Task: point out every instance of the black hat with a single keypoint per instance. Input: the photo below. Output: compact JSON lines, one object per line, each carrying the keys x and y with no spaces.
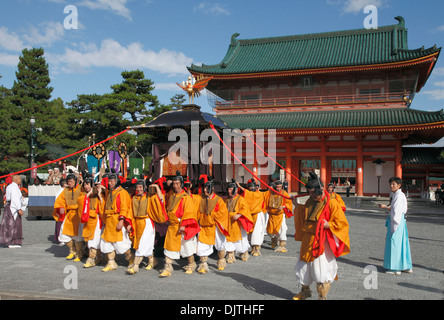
{"x":233,"y":185}
{"x":178,"y":177}
{"x":314,"y":181}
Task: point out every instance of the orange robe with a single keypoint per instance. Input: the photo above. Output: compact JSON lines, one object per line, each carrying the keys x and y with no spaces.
{"x":256,"y":203}
{"x":117,"y":205}
{"x":181,"y":212}
{"x":68,"y":200}
{"x":338,"y":198}
{"x":272,"y":202}
{"x":307,"y":226}
{"x":144,"y":207}
{"x":238,"y":205}
{"x":90,"y":216}
{"x":210,"y":217}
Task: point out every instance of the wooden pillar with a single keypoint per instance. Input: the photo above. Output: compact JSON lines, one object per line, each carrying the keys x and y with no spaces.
{"x":359,"y":170}
{"x":296,"y":172}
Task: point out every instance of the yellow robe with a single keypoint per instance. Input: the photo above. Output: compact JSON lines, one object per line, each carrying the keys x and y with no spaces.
{"x":255,"y":201}
{"x":272,"y":202}
{"x":339,"y":199}
{"x":181,"y":212}
{"x":120,"y":206}
{"x":306,"y":221}
{"x":95,"y":211}
{"x":68,"y":200}
{"x":245,"y":221}
{"x":216,"y":217}
{"x":144,"y":207}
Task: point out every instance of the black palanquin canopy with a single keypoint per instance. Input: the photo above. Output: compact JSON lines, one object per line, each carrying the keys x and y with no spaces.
{"x":179,"y":119}
{"x":159,"y":129}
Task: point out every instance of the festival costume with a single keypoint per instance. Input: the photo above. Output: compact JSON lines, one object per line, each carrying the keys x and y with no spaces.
{"x":90,"y":210}
{"x":339,"y":199}
{"x":71,"y":229}
{"x":213,"y":219}
{"x":11,"y":226}
{"x":181,"y":213}
{"x":146,"y":211}
{"x":117,"y":207}
{"x":237,"y":240}
{"x":397,"y":256}
{"x":256,"y":202}
{"x":319,"y":246}
{"x":277,"y":226}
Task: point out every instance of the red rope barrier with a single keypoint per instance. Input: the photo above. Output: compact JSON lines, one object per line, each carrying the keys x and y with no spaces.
{"x":240,"y":162}
{"x":274,"y":160}
{"x":68,"y":156}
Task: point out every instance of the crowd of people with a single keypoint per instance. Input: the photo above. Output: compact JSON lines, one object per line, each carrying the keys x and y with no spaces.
{"x":106,"y":219}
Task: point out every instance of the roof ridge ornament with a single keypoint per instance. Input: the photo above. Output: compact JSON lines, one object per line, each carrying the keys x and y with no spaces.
{"x":234,"y":41}
{"x":401,"y":20}
{"x":193,"y":86}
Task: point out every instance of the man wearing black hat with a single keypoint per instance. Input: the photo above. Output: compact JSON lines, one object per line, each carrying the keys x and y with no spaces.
{"x":119,"y":223}
{"x":322,"y":228}
{"x":180,"y":239}
{"x":147,"y":209}
{"x":240,"y":225}
{"x":278,"y":205}
{"x":256,"y":202}
{"x":91,"y":204}
{"x":65,"y":210}
{"x":213,"y":218}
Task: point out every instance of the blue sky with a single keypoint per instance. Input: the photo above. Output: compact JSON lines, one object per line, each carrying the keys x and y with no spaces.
{"x":163,"y":37}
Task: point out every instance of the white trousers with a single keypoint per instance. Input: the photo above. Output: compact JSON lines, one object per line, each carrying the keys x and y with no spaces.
{"x":204,"y":250}
{"x":146,"y":243}
{"x":120,"y":247}
{"x":258,"y":234}
{"x":187,"y":249}
{"x":240,"y":246}
{"x":65,"y":238}
{"x":322,"y":269}
{"x":95,"y":242}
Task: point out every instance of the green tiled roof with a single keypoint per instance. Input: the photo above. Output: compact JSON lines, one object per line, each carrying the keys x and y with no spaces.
{"x":422,"y":156}
{"x":346,"y":119}
{"x":386,"y":44}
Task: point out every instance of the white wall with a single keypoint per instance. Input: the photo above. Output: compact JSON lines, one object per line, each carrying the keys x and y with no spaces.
{"x":371,"y":181}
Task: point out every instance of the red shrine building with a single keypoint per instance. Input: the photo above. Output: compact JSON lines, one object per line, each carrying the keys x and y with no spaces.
{"x":339,"y":104}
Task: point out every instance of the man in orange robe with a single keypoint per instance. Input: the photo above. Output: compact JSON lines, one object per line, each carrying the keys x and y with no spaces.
{"x":322,"y":228}
{"x":241,"y":223}
{"x":335,"y":196}
{"x":90,"y":206}
{"x":256,"y":202}
{"x":180,"y":239}
{"x":119,"y":223}
{"x":278,"y":206}
{"x":147,"y":209}
{"x":213,"y":218}
{"x":65,"y":210}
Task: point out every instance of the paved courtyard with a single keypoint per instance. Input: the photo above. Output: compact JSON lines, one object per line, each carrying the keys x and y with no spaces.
{"x":39,"y":270}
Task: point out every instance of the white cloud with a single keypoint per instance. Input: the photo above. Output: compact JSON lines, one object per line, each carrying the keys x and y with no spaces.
{"x":10,"y":40}
{"x":437,"y":94}
{"x":117,"y":6}
{"x":167,"y":86}
{"x":9,"y":59}
{"x":211,"y":9}
{"x":47,"y":33}
{"x":357,"y":6}
{"x":113,"y":54}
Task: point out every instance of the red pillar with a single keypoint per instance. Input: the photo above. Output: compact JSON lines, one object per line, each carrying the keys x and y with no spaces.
{"x":398,"y":159}
{"x":324,"y":162}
